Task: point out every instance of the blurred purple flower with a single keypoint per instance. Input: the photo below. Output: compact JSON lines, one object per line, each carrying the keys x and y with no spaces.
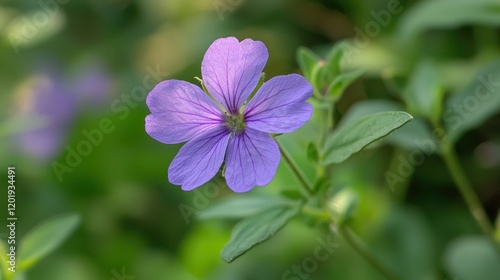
{"x":93,"y":85}
{"x":55,"y":102}
{"x":49,"y":101}
{"x":181,"y":111}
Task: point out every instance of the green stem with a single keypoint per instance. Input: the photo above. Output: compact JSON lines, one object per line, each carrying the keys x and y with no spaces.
{"x":327,"y":113}
{"x":318,"y":214}
{"x":358,"y":245}
{"x":467,"y":192}
{"x":354,"y":241}
{"x":330,"y":121}
{"x":295,"y":169}
{"x":344,"y":230}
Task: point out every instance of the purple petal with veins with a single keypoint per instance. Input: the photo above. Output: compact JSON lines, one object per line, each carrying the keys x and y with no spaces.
{"x":199,"y":160}
{"x":182,"y":112}
{"x":232,"y":69}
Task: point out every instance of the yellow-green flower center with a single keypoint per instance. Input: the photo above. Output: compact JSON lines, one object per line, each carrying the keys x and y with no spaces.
{"x":235,"y":123}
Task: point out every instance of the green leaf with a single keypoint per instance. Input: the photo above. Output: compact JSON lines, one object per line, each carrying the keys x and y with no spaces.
{"x":257,"y":229}
{"x":317,"y":78}
{"x":367,"y":107}
{"x":334,"y":58}
{"x":46,"y":238}
{"x":341,"y":82}
{"x":472,"y":258}
{"x":410,"y":136}
{"x":448,"y":14}
{"x":321,"y":183}
{"x":475,"y":104}
{"x":424,"y":95}
{"x":353,"y":137}
{"x":307,"y":60}
{"x":416,"y":135}
{"x":312,"y":152}
{"x":312,"y":67}
{"x":241,"y":206}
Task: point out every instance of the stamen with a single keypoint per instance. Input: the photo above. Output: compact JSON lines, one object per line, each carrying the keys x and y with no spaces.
{"x":235,"y":123}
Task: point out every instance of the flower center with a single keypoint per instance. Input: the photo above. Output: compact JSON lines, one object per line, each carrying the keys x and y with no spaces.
{"x":235,"y":123}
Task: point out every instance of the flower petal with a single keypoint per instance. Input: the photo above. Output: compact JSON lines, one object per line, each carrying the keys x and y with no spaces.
{"x":199,"y":159}
{"x":231,"y":70}
{"x":280,"y":105}
{"x":252,"y":159}
{"x":180,"y":111}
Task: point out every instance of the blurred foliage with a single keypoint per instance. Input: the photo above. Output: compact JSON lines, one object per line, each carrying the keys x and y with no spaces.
{"x":76,"y":72}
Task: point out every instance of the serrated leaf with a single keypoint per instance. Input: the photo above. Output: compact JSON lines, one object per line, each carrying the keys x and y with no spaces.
{"x":46,"y":238}
{"x":448,"y":14}
{"x":341,"y":82}
{"x":472,"y":106}
{"x":257,"y":229}
{"x":241,"y":206}
{"x":353,"y":137}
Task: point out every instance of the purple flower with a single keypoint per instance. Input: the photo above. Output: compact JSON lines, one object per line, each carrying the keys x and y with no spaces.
{"x":49,"y":98}
{"x":45,"y":98}
{"x":93,"y":84}
{"x":221,"y":125}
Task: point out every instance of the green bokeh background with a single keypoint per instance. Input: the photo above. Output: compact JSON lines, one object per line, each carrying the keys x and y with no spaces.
{"x":131,"y":217}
